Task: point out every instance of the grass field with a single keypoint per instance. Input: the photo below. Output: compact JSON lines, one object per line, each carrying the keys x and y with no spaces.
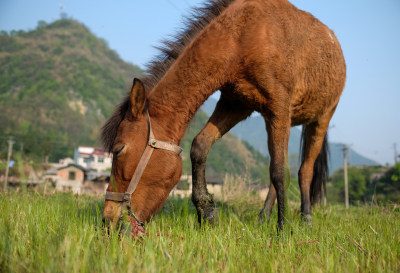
{"x":62,"y":233}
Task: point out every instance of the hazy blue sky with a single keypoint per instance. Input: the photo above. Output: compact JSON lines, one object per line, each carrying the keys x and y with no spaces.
{"x":367,"y":116}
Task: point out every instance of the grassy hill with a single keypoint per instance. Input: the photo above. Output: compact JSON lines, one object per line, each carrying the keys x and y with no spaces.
{"x":59,"y":83}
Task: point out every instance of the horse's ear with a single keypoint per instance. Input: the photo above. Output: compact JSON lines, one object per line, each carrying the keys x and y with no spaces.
{"x":137,"y":98}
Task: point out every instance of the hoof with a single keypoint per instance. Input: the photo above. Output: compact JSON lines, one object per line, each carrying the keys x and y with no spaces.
{"x":211,"y":216}
{"x":306,"y":218}
{"x":263,"y":217}
{"x":208,"y":215}
{"x":206,"y":211}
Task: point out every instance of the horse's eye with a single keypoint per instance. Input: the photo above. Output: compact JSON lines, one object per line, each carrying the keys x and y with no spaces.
{"x":118,"y":149}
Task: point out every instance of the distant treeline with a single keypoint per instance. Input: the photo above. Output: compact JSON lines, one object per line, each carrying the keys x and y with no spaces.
{"x":367,"y":184}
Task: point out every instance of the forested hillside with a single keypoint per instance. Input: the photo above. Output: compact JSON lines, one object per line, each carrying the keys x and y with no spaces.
{"x":59,"y":83}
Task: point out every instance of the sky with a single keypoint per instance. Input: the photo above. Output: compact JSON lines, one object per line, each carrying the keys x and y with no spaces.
{"x":367,"y":117}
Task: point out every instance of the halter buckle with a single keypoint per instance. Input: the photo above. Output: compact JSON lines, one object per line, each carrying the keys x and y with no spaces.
{"x":153,"y":143}
{"x":127,"y":198}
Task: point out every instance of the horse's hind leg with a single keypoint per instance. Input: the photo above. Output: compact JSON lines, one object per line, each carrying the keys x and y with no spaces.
{"x":314,"y":138}
{"x":227,"y":114}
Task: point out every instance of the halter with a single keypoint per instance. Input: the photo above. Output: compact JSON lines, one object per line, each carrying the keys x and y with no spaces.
{"x":153,"y":143}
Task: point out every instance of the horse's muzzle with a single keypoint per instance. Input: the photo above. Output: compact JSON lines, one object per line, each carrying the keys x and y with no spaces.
{"x":117,"y":219}
{"x":130,"y":227}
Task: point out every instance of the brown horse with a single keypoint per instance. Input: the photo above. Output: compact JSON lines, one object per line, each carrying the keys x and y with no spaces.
{"x":265,"y":56}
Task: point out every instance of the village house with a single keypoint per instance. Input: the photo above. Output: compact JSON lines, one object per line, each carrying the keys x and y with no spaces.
{"x":184,"y":186}
{"x":87,"y":173}
{"x":92,"y":158}
{"x":70,"y":178}
{"x":75,"y":178}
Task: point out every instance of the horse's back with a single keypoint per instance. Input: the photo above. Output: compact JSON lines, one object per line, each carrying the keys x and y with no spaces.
{"x":285,"y":46}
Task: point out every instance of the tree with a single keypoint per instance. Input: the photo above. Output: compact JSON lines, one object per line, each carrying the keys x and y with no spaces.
{"x":388,"y":186}
{"x":41,"y":24}
{"x":357,"y":184}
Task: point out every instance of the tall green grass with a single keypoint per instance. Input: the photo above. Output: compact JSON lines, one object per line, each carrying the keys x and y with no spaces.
{"x":62,"y":233}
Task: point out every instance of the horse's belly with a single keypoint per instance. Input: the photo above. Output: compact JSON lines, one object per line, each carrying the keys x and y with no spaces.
{"x":311,"y":106}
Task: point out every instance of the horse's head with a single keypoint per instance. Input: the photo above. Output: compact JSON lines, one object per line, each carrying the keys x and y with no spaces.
{"x":146,"y":166}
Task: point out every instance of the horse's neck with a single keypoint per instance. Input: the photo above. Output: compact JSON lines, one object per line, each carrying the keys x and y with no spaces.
{"x":173,"y":102}
{"x":202,"y":68}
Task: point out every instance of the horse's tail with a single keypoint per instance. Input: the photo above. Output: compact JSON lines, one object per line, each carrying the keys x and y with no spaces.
{"x":321,"y":169}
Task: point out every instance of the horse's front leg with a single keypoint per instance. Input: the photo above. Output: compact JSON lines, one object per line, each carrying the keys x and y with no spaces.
{"x":226,"y":115}
{"x":278,"y":129}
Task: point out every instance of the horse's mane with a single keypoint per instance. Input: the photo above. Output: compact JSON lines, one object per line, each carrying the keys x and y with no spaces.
{"x":170,"y":50}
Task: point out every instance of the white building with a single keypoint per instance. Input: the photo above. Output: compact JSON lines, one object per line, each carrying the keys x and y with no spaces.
{"x":92,"y":158}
